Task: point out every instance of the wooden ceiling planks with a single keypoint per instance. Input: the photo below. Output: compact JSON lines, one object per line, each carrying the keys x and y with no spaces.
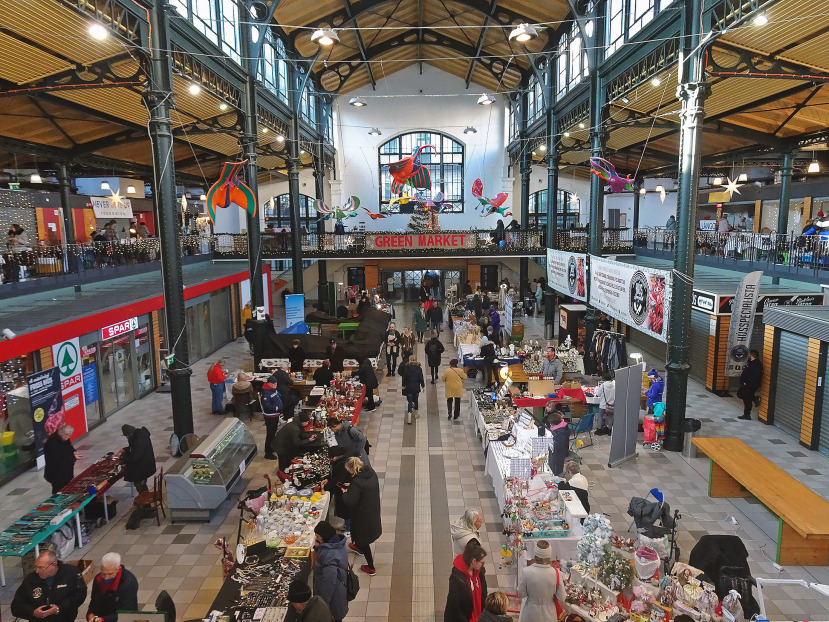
{"x":790,"y":22}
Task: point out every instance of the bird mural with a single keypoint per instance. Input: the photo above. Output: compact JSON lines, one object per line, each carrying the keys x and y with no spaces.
{"x":490,"y":206}
{"x":606,"y":171}
{"x":410,"y":172}
{"x":348,"y":210}
{"x":373,"y":215}
{"x":228,"y":189}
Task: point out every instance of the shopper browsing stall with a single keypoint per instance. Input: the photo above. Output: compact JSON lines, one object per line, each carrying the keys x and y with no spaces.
{"x":369,"y":378}
{"x":330,"y":569}
{"x":467,"y":586}
{"x":606,"y":392}
{"x":488,"y":354}
{"x":465,"y":529}
{"x":350,"y":437}
{"x":308,"y":608}
{"x":292,"y":440}
{"x":113,"y":589}
{"x":60,"y":456}
{"x":362,"y":498}
{"x":654,"y":393}
{"x":575,"y":481}
{"x":561,"y":441}
{"x":495,"y":608}
{"x":541,"y":588}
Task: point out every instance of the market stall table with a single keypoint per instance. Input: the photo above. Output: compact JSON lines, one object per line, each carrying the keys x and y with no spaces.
{"x":102,"y":475}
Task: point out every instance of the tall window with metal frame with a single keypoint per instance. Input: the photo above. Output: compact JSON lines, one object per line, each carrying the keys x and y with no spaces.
{"x":278,"y":212}
{"x":568,"y":210}
{"x":445,"y":163}
{"x":625,"y":18}
{"x":230,"y":33}
{"x":272,"y":67}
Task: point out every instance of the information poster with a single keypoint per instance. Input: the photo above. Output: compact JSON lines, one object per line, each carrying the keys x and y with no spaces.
{"x":294,"y":309}
{"x":67,"y":358}
{"x":567,"y":273}
{"x":90,"y":384}
{"x":638,"y":296}
{"x":47,"y":406}
{"x":506,"y":321}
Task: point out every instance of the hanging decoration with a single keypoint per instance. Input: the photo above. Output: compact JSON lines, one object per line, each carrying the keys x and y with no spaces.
{"x":606,"y":171}
{"x":348,"y":210}
{"x":436,"y":204}
{"x":662,"y":194}
{"x":410,"y":172}
{"x":731,"y":187}
{"x":374,"y":216}
{"x":490,"y":206}
{"x":228,"y":189}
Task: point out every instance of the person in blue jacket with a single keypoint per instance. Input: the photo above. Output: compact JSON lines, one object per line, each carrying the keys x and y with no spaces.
{"x":330,"y":569}
{"x":654,"y":394}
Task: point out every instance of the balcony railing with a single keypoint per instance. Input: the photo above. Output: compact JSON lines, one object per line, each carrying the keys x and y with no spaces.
{"x":614,"y":241}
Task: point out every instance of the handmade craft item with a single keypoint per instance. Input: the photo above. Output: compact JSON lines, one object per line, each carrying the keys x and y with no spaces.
{"x":490,"y":206}
{"x":228,"y":189}
{"x":410,"y":172}
{"x":606,"y":171}
{"x":348,"y":210}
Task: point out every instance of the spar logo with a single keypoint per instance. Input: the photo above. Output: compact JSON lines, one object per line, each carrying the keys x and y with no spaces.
{"x":572,"y":275}
{"x":638,"y":297}
{"x":67,"y":359}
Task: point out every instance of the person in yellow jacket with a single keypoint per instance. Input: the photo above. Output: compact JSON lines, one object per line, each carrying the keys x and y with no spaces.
{"x":454,"y":377}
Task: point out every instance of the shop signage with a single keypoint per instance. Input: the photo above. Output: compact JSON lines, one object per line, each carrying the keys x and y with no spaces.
{"x":119,"y":329}
{"x":90,"y":383}
{"x":377,"y":242}
{"x":105,"y":207}
{"x":47,"y":407}
{"x":742,"y":323}
{"x":635,"y":295}
{"x":294,"y":309}
{"x":703,"y":301}
{"x":67,"y":358}
{"x":567,"y":273}
{"x":707,"y":225}
{"x":718,"y":304}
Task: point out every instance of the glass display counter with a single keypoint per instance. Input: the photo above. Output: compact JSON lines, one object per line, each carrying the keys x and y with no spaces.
{"x":202,"y":479}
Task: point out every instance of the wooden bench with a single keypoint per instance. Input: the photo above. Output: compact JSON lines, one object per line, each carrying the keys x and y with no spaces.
{"x":739,"y":471}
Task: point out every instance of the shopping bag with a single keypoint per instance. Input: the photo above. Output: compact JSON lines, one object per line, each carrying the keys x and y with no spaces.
{"x":649,"y":427}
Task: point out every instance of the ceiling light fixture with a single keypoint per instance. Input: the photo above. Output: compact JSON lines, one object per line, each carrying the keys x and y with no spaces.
{"x":718,"y":181}
{"x":280,"y":138}
{"x":742,"y":177}
{"x":105,"y":185}
{"x":761,"y":20}
{"x":486,"y":99}
{"x":375,"y":132}
{"x":325,"y":37}
{"x":814,"y":167}
{"x":194,"y":89}
{"x":130,"y":189}
{"x":264,"y":130}
{"x":543,"y":147}
{"x":582,"y":125}
{"x":642,"y":190}
{"x":523,"y":33}
{"x":203,"y":197}
{"x":470,"y":130}
{"x":566,"y":134}
{"x":223,"y":106}
{"x":656,"y":81}
{"x":98,"y":32}
{"x":533,"y":152}
{"x":357,"y":101}
{"x":302,"y":152}
{"x":35,"y":178}
{"x":659,"y":188}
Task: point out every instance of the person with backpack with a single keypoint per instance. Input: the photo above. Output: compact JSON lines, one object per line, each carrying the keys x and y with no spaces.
{"x":434,"y":348}
{"x":350,"y":437}
{"x":271,"y":410}
{"x":331,"y":569}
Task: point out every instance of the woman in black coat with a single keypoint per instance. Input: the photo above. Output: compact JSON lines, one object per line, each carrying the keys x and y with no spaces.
{"x":434,"y":348}
{"x":750,"y":381}
{"x":338,"y":456}
{"x":60,"y":458}
{"x":369,"y":379}
{"x":561,"y":441}
{"x":138,"y":457}
{"x":411,"y":380}
{"x":467,"y":585}
{"x":362,"y":498}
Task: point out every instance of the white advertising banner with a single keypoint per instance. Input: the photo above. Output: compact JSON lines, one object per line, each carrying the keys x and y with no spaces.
{"x":506,"y":320}
{"x":742,"y":323}
{"x":567,"y":273}
{"x":105,"y":207}
{"x":638,"y":296}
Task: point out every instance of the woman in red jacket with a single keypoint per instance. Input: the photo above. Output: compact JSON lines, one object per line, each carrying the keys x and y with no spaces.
{"x":216,"y":376}
{"x":467,"y":586}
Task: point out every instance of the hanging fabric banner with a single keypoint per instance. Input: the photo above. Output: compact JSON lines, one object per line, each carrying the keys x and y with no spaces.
{"x":567,"y":273}
{"x":636,"y":295}
{"x":742,"y":323}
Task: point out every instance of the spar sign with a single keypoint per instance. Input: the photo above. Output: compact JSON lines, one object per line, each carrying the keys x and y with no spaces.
{"x":67,"y":359}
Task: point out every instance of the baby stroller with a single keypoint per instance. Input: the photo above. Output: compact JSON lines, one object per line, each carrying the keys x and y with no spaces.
{"x":646,"y":514}
{"x":724,"y":561}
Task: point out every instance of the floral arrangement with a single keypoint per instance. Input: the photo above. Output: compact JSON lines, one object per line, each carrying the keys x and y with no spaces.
{"x":615,"y":571}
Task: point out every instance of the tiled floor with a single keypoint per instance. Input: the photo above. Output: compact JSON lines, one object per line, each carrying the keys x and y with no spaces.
{"x":430,"y":472}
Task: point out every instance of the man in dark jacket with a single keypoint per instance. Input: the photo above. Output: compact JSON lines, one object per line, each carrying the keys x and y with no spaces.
{"x":296,"y":355}
{"x":272,"y":407}
{"x":434,"y":348}
{"x":309,"y":608}
{"x":291,"y":440}
{"x":53,"y":592}
{"x":323,"y":376}
{"x":750,"y":381}
{"x":335,"y":354}
{"x":369,"y":378}
{"x":114,"y":589}
{"x":138,"y":457}
{"x":435,"y":317}
{"x":488,"y":352}
{"x":60,"y":458}
{"x":350,"y":437}
{"x":285,"y":386}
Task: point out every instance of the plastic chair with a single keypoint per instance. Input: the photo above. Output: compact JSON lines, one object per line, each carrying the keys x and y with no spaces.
{"x":585,"y":424}
{"x":658,"y":497}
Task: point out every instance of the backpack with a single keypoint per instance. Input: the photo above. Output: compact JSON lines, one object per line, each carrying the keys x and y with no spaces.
{"x":352,"y":583}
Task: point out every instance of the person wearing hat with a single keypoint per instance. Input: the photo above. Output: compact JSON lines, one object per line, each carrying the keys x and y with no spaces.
{"x":654,"y":394}
{"x":272,"y":407}
{"x":292,"y":440}
{"x":488,"y":352}
{"x":541,"y":588}
{"x":335,"y":354}
{"x":330,"y":569}
{"x":454,"y":377}
{"x":308,"y":608}
{"x":296,"y":355}
{"x":323,"y":376}
{"x":138,"y":456}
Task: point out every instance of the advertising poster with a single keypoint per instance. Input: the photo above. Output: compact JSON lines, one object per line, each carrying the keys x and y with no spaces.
{"x":638,"y":296}
{"x":294,"y":309}
{"x":47,"y":406}
{"x":506,"y":321}
{"x":67,"y":358}
{"x":567,"y":273}
{"x":90,"y":384}
{"x":742,"y":323}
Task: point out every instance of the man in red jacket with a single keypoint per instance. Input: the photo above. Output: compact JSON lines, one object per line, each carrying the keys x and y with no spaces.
{"x":216,"y":377}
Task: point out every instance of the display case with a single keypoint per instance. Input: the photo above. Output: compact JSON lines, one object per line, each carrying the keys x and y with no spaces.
{"x":203,"y":478}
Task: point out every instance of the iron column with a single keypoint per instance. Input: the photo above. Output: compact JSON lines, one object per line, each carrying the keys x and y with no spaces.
{"x":692,"y":91}
{"x":158,"y":94}
{"x":636,"y":199}
{"x":786,"y":167}
{"x":552,"y":220}
{"x":68,"y":219}
{"x":322,"y":266}
{"x":526,"y":169}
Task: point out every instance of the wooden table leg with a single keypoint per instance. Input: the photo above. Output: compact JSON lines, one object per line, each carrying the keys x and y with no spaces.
{"x":795,"y":550}
{"x":721,"y":484}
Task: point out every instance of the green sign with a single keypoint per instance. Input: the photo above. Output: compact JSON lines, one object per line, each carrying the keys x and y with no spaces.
{"x":67,"y":360}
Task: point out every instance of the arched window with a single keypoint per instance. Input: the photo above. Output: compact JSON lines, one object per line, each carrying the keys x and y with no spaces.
{"x":444,"y":161}
{"x":568,"y":210}
{"x":278,"y":212}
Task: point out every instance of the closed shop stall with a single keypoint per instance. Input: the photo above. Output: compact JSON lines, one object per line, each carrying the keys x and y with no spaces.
{"x":650,"y":346}
{"x":698,"y":353}
{"x":89,"y":361}
{"x":220,"y":317}
{"x":823,"y":440}
{"x":788,"y":409}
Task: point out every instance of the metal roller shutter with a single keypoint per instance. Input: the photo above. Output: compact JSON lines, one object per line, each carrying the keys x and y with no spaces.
{"x":823,"y":441}
{"x":651,"y":347}
{"x":700,"y":329}
{"x":788,"y":402}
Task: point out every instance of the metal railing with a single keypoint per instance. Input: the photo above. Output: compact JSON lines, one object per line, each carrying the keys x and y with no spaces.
{"x":614,"y":241}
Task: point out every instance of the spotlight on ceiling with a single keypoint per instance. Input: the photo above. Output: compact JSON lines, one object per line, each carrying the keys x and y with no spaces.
{"x":718,"y":181}
{"x":543,"y":147}
{"x":375,"y":132}
{"x":36,"y":179}
{"x":357,"y":101}
{"x":302,"y":152}
{"x":130,"y":189}
{"x":533,"y":152}
{"x":325,"y":36}
{"x":743,"y":177}
{"x":656,"y":81}
{"x":523,"y":33}
{"x":280,"y":138}
{"x":659,"y":188}
{"x":223,"y":106}
{"x":98,"y":32}
{"x":264,"y":130}
{"x":486,"y":99}
{"x":566,"y":134}
{"x":194,"y":89}
{"x":203,"y":197}
{"x":581,"y":125}
{"x":470,"y":130}
{"x":814,"y":167}
{"x":105,"y":185}
{"x":642,"y":190}
{"x":761,"y":20}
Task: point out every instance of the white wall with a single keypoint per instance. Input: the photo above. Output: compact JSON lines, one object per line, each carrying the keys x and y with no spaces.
{"x":411,"y":108}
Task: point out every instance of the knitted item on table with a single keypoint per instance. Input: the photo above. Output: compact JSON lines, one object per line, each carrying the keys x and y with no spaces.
{"x":595,"y":539}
